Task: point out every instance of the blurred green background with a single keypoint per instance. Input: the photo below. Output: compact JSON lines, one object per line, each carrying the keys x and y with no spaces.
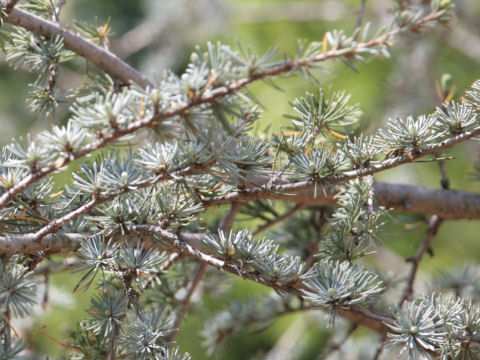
{"x":154,"y":35}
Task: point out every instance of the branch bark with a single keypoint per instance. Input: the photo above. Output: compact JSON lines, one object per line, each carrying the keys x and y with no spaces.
{"x":185,"y":245}
{"x":103,"y":58}
{"x":25,"y":244}
{"x":355,"y":314}
{"x":448,"y":204}
{"x":10,"y":4}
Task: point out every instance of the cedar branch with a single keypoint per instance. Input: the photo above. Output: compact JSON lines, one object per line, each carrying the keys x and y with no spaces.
{"x":43,"y":27}
{"x":101,"y":57}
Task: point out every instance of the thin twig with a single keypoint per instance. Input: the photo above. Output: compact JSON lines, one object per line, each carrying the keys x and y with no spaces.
{"x":230,"y":216}
{"x":283,"y":348}
{"x":433,"y":225}
{"x":77,"y":44}
{"x":9,"y":5}
{"x":6,"y":326}
{"x":172,"y":260}
{"x":444,"y":182}
{"x":59,"y":7}
{"x":126,"y":278}
{"x":198,"y":275}
{"x":355,"y":314}
{"x":313,"y":247}
{"x":184,"y":304}
{"x":361,"y":13}
{"x":363,"y":316}
{"x":336,"y":346}
{"x":380,"y":347}
{"x":279,"y":219}
{"x":167,"y":264}
{"x":46,"y":280}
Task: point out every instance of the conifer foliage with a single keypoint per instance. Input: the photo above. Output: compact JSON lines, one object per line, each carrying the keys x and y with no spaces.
{"x":144,"y":224}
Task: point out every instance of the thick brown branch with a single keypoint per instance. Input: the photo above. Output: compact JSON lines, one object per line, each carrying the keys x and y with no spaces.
{"x":304,"y":191}
{"x":97,"y":55}
{"x":230,"y":217}
{"x":50,"y":267}
{"x":54,"y":243}
{"x":448,"y":204}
